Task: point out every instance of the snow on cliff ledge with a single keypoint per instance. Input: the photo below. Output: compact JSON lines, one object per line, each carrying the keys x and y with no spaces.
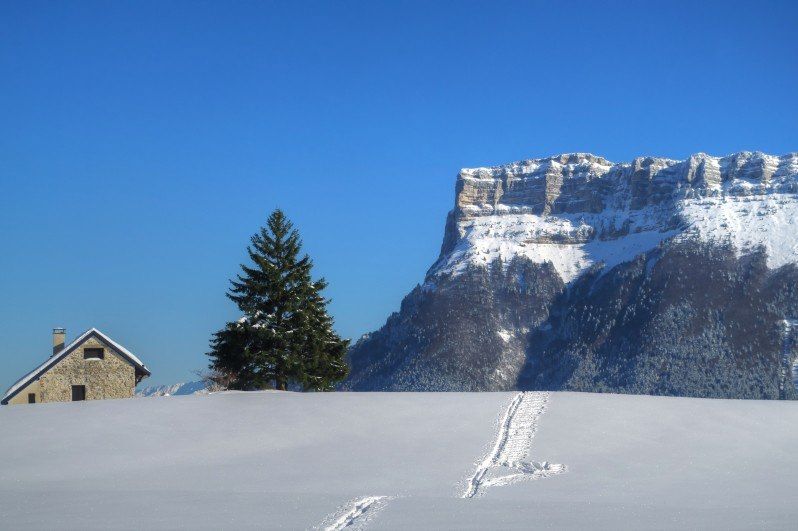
{"x":189,"y":388}
{"x":578,"y":210}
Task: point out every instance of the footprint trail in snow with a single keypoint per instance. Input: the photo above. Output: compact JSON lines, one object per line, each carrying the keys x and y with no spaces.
{"x":505,"y":463}
{"x":355,"y":515}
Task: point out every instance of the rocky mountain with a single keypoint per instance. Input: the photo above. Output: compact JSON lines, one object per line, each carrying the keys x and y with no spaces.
{"x":571,"y":272}
{"x":188,"y":388}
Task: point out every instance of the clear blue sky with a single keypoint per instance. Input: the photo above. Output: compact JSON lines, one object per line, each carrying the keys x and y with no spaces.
{"x":141,"y":144}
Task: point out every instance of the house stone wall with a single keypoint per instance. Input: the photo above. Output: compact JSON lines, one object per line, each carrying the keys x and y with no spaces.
{"x":112,"y":377}
{"x":22,"y":396}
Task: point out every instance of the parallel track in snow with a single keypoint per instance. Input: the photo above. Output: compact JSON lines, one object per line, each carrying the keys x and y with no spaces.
{"x":504,"y":464}
{"x":512,"y":445}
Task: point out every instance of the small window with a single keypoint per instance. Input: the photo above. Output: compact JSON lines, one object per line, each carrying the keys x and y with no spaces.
{"x":78,"y":393}
{"x":31,"y":398}
{"x":93,"y":353}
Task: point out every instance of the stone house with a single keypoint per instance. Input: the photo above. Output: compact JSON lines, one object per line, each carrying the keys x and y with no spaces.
{"x":92,"y":367}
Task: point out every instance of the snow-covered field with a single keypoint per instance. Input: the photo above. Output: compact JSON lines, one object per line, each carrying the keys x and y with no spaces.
{"x":400,"y":461}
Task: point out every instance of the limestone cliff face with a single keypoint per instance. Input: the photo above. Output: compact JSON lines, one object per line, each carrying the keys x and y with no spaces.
{"x":583,"y":183}
{"x":573,"y":200}
{"x":511,"y":300}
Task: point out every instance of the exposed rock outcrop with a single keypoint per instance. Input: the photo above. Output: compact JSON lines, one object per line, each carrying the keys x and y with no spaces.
{"x":571,"y":272}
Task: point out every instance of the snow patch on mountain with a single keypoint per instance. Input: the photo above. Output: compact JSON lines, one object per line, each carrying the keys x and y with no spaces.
{"x":188,"y":388}
{"x":579,"y":211}
{"x":565,"y":242}
{"x":747,"y":223}
{"x":506,"y":335}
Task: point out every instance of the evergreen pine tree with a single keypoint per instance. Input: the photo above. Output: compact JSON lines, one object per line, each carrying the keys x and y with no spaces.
{"x":323,"y":362}
{"x":285,"y":335}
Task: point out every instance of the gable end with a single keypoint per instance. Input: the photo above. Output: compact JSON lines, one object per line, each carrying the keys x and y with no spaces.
{"x":25,"y":381}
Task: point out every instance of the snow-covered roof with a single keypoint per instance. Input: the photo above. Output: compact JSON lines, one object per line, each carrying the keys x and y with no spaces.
{"x":53,"y":360}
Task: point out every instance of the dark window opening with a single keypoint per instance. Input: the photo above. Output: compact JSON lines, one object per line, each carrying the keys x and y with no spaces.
{"x":93,"y":353}
{"x":31,"y":398}
{"x":78,"y":393}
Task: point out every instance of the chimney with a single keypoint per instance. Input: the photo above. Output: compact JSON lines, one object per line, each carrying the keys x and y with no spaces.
{"x":59,"y":337}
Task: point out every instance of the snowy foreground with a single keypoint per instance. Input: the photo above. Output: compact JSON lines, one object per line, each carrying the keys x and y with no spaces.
{"x":400,"y":461}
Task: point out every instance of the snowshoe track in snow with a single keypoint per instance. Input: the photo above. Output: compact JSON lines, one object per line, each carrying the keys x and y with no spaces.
{"x":356,"y":513}
{"x":504,"y":464}
{"x":513,"y":443}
